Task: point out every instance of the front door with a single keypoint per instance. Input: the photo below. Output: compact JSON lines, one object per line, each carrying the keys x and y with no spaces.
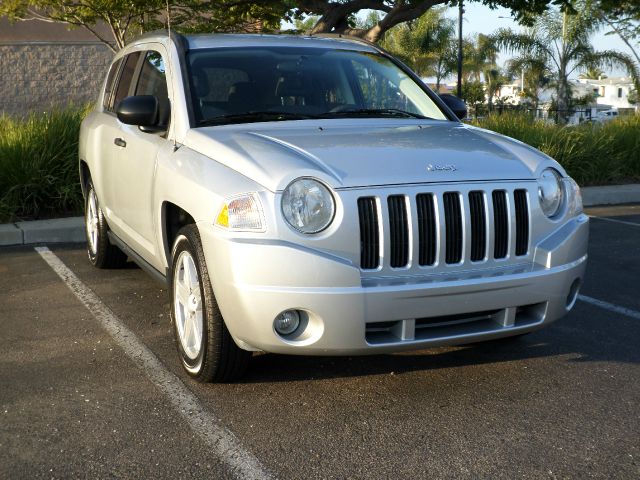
{"x":136,"y":162}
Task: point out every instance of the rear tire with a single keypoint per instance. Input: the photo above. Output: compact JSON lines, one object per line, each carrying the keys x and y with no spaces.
{"x":206,"y":348}
{"x":102,"y":254}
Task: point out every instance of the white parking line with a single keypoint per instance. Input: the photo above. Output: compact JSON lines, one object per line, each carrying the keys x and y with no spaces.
{"x":610,"y":306}
{"x":242,"y":463}
{"x":615,"y":221}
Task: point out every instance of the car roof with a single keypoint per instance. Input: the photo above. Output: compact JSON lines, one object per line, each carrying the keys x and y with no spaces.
{"x":259,"y":40}
{"x":226,"y":40}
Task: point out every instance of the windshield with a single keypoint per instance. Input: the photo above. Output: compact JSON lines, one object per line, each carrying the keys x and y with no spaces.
{"x":240,"y":85}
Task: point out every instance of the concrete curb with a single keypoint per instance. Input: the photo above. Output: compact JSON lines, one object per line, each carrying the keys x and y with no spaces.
{"x":611,"y":195}
{"x":71,"y":230}
{"x":57,"y":230}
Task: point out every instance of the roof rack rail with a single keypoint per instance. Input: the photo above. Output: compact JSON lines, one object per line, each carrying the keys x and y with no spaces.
{"x":176,"y":37}
{"x":345,"y":37}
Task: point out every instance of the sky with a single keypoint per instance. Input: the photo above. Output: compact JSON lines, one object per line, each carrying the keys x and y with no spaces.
{"x":479,"y":18}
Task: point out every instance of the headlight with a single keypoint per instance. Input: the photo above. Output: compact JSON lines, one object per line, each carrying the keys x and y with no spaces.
{"x":307,"y":205}
{"x":575,"y":197}
{"x":550,"y":192}
{"x":241,"y":213}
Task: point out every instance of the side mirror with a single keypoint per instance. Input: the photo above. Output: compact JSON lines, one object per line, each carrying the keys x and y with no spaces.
{"x":455,"y":104}
{"x":140,"y":110}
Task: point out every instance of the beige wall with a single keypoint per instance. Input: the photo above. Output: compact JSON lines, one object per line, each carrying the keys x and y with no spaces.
{"x":45,"y":65}
{"x":36,"y":76}
{"x":36,"y":30}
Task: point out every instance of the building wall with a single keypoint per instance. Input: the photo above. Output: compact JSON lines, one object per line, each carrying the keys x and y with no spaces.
{"x":37,"y":76}
{"x":609,"y":95}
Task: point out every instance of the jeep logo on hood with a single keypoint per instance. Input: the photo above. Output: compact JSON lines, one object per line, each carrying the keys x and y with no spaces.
{"x":441,"y":168}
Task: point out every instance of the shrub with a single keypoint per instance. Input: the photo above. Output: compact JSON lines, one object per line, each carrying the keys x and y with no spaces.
{"x":592,"y":153}
{"x":39,"y":165}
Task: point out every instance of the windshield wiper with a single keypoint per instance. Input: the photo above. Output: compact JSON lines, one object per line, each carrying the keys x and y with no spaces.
{"x":372,"y":112}
{"x":249,"y":117}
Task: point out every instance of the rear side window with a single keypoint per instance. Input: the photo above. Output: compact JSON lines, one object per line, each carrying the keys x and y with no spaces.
{"x":128,"y":70}
{"x":109,"y":87}
{"x":152,"y":81}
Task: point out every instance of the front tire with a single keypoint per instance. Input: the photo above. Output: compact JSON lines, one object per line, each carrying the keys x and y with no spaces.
{"x":102,"y":254}
{"x":207,"y":350}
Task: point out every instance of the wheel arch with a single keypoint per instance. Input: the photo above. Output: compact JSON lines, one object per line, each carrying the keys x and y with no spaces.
{"x":173,"y":218}
{"x":85,"y":175}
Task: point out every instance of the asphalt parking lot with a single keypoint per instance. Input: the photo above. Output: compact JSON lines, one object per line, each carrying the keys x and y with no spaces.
{"x":81,"y":401}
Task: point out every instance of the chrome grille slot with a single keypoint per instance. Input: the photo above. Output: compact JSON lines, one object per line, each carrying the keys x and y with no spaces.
{"x":453,"y":221}
{"x":369,"y":233}
{"x":478,"y":226}
{"x":398,"y":230}
{"x":426,"y":229}
{"x":500,"y":224}
{"x":522,"y":221}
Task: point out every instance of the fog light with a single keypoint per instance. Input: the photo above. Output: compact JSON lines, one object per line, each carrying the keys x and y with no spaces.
{"x":287,"y":322}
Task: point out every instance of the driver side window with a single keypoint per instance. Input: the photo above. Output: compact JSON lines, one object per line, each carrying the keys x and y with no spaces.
{"x":153,"y":81}
{"x":124,"y":83}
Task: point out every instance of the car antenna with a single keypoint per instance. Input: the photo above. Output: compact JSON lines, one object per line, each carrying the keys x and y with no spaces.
{"x":175,"y":144}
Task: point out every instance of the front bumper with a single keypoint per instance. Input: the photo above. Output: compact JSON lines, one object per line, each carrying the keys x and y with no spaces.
{"x":345,"y":314}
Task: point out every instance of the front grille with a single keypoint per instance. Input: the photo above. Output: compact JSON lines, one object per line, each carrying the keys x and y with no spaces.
{"x":369,"y":233}
{"x":453,"y":222}
{"x":455,"y":227}
{"x":398,"y":230}
{"x":500,"y":223}
{"x":426,"y":229}
{"x":478,"y":226}
{"x":522,"y":222}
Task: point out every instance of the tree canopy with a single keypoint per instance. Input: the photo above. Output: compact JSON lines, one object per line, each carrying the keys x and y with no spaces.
{"x":337,"y":15}
{"x":126,"y":18}
{"x":427,"y":44}
{"x":622,"y":17}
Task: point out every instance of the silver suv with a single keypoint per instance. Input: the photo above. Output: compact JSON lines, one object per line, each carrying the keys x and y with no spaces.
{"x":311,"y":196}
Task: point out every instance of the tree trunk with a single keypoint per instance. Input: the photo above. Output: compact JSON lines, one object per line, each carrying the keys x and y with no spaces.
{"x":563,"y":99}
{"x":334,"y":16}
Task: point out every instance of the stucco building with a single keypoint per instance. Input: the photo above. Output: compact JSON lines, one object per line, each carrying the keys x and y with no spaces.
{"x":612,"y":92}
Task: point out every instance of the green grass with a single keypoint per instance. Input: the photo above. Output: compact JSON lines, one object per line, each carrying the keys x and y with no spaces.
{"x":39,"y":165}
{"x":592,"y":153}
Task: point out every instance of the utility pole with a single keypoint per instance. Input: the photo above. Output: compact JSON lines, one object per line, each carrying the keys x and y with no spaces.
{"x":460,"y":12}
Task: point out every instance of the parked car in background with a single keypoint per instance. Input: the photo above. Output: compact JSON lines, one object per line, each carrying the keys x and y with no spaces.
{"x":605,"y":116}
{"x":311,"y":196}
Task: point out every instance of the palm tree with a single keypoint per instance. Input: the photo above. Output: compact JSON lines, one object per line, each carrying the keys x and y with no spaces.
{"x":481,"y":64}
{"x":536,"y":76}
{"x":592,"y":73}
{"x":561,"y":41}
{"x":494,"y":79}
{"x":426,"y":44}
{"x":480,"y":56}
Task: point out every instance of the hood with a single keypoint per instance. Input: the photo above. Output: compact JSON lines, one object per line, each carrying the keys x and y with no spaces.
{"x":359,"y":153}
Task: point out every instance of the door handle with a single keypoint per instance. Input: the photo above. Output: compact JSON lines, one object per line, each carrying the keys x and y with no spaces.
{"x":120,"y":142}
